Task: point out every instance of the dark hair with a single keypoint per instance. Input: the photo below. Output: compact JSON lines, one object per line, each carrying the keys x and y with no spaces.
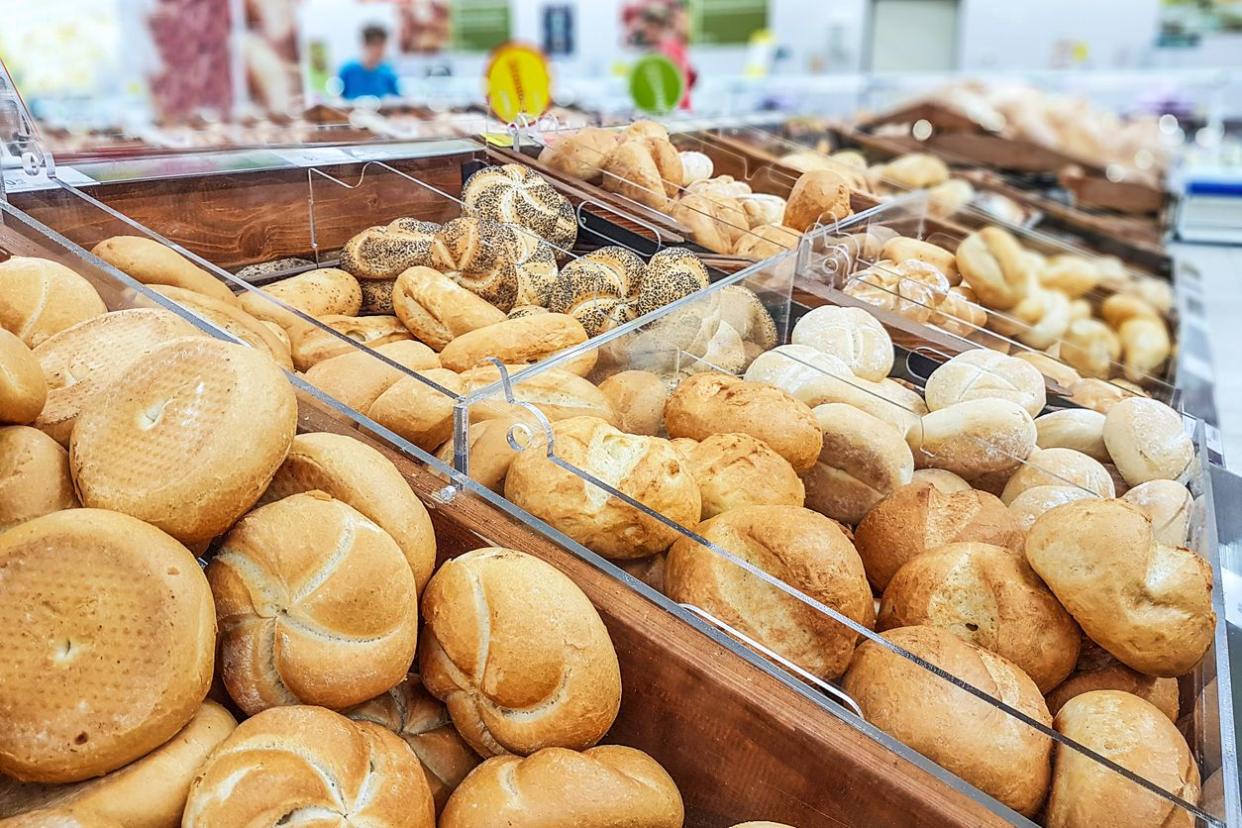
{"x":374,"y":34}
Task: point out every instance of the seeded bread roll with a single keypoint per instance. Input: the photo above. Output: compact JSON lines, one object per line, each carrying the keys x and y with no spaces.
{"x":1147,"y":441}
{"x":152,"y":263}
{"x":519,"y":655}
{"x":40,"y":298}
{"x":23,"y":389}
{"x":817,"y":197}
{"x":637,"y":398}
{"x":974,"y":438}
{"x":982,"y":374}
{"x":1059,"y":467}
{"x":802,"y":548}
{"x":34,"y":476}
{"x":850,"y":334}
{"x":376,"y":297}
{"x":316,"y":293}
{"x":313,"y":345}
{"x":671,"y":274}
{"x":1148,"y":604}
{"x":383,"y":252}
{"x":478,"y":254}
{"x":735,"y":470}
{"x":863,"y":460}
{"x":516,"y":194}
{"x":979,"y":742}
{"x":359,"y":377}
{"x":1168,"y":504}
{"x":1080,"y":429}
{"x":436,"y":309}
{"x":646,"y":469}
{"x":231,"y":318}
{"x":991,"y":261}
{"x":592,"y":288}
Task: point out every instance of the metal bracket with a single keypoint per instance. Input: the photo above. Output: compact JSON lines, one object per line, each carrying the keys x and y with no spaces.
{"x":21,"y":143}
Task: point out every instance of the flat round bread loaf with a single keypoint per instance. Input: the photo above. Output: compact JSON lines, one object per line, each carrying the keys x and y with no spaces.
{"x":108,"y":633}
{"x":186,"y":439}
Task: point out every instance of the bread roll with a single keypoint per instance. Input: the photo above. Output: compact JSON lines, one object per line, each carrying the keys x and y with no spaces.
{"x":517,"y":195}
{"x":153,"y":263}
{"x":1168,"y":504}
{"x":307,"y":760}
{"x":646,"y":469}
{"x":863,"y":460}
{"x":489,"y":452}
{"x":974,"y":438}
{"x":377,"y":297}
{"x":1135,"y":735}
{"x":967,"y":736}
{"x":592,"y":287}
{"x":80,"y":362}
{"x":766,"y":241}
{"x":1097,"y":670}
{"x":420,"y":408}
{"x":800,"y":547}
{"x":603,"y":787}
{"x":947,"y":482}
{"x":147,"y":793}
{"x":917,"y":170}
{"x":673,"y":273}
{"x":1079,"y":429}
{"x":412,"y":713}
{"x":1074,"y":276}
{"x":644,"y":169}
{"x":1146,"y":441}
{"x":1091,"y":348}
{"x":1148,"y":604}
{"x":910,"y":288}
{"x":518,"y":654}
{"x":187,"y":439}
{"x":436,"y":309}
{"x":1098,"y":395}
{"x":558,"y":394}
{"x":23,"y":390}
{"x":359,"y":377}
{"x":1033,"y":502}
{"x":946,"y":198}
{"x":735,"y":470}
{"x":323,"y":292}
{"x":121,"y":615}
{"x":313,"y":345}
{"x":637,"y":398}
{"x":316,"y":604}
{"x":982,"y":374}
{"x":1145,"y":347}
{"x":582,"y":154}
{"x":518,"y":342}
{"x":990,"y":597}
{"x":230,"y":318}
{"x":711,"y":221}
{"x":763,"y":209}
{"x":818,"y":197}
{"x":40,"y":298}
{"x":356,"y":474}
{"x":34,"y":476}
{"x":850,"y":334}
{"x":707,"y":404}
{"x":919,"y":517}
{"x":1059,"y":467}
{"x":1053,"y":369}
{"x":991,"y":261}
{"x":900,"y":248}
{"x":381,"y":253}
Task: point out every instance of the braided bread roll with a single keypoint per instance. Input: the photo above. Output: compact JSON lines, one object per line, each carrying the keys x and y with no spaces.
{"x":593,"y":288}
{"x":518,"y":653}
{"x":477,"y":253}
{"x":671,"y":274}
{"x":516,"y":194}
{"x":995,"y":266}
{"x":307,"y":765}
{"x":534,"y":264}
{"x":383,"y":252}
{"x":605,"y":787}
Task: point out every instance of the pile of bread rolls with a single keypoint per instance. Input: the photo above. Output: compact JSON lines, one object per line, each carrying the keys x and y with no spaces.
{"x":130,"y":661}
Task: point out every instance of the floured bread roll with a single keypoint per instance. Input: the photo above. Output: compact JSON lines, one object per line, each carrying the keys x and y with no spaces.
{"x":40,"y":298}
{"x":850,"y":334}
{"x":516,"y":194}
{"x":518,"y":653}
{"x":696,"y":166}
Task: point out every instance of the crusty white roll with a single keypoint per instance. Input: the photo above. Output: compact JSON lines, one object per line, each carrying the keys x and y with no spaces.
{"x":1148,"y":604}
{"x":186,"y":439}
{"x":230,"y":318}
{"x":436,"y":309}
{"x":981,"y":374}
{"x":308,"y":760}
{"x":646,"y":469}
{"x":558,"y":394}
{"x":420,"y":408}
{"x":802,"y":548}
{"x":1169,"y":505}
{"x":1053,"y":369}
{"x":153,"y":263}
{"x":40,"y":298}
{"x":603,"y":787}
{"x":637,"y":399}
{"x":1099,"y":395}
{"x":1145,"y":347}
{"x":818,"y":197}
{"x":34,"y":476}
{"x":917,"y":170}
{"x":735,"y":470}
{"x":518,"y":342}
{"x":1059,"y":467}
{"x":1072,"y":275}
{"x":489,"y":451}
{"x":974,"y":438}
{"x":312,"y":345}
{"x":1097,"y":670}
{"x":1033,"y":502}
{"x":863,"y":460}
{"x":901,"y":248}
{"x":359,"y":377}
{"x":23,"y":389}
{"x":1090,"y":347}
{"x":1080,"y":429}
{"x":850,"y":334}
{"x":1147,"y":441}
{"x":979,"y":742}
{"x":321,"y":292}
{"x":518,"y":653}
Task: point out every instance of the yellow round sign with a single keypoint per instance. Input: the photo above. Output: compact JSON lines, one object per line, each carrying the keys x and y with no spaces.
{"x":518,"y":82}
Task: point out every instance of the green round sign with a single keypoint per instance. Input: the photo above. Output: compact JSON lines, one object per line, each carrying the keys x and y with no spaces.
{"x":656,"y":84}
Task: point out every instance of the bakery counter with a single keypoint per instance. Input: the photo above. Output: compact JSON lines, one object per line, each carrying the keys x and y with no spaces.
{"x":135,"y":352}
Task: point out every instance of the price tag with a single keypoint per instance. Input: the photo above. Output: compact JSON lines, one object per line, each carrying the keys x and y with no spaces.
{"x":518,"y":82}
{"x":656,"y":84}
{"x":315,"y":156}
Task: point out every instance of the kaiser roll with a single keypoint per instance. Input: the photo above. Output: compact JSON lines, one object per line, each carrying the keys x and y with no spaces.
{"x":818,"y":197}
{"x":604,"y":787}
{"x":382,"y":252}
{"x":863,"y":460}
{"x":1134,"y":734}
{"x":637,"y":399}
{"x":108,"y":637}
{"x":974,"y":438}
{"x":153,"y":263}
{"x":735,"y":470}
{"x":518,"y":653}
{"x":982,"y":744}
{"x":920,"y":517}
{"x":40,"y":298}
{"x":23,"y":390}
{"x":1059,"y":467}
{"x":1080,"y":429}
{"x":516,"y":194}
{"x":802,"y":548}
{"x":991,"y":261}
{"x":1148,"y":604}
{"x":646,"y":469}
{"x":187,"y":439}
{"x":316,"y":765}
{"x":982,"y":374}
{"x":34,"y":476}
{"x":436,"y":309}
{"x":1147,"y":441}
{"x":316,"y":604}
{"x":850,"y":334}
{"x":1097,"y":670}
{"x":358,"y":378}
{"x":990,"y":597}
{"x":1169,"y":505}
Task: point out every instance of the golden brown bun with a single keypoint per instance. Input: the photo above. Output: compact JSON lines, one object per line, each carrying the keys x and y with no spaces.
{"x":358,"y":378}
{"x":1148,"y":604}
{"x":1145,"y":347}
{"x":313,"y":345}
{"x":917,"y":170}
{"x":34,"y":476}
{"x":307,"y":759}
{"x":1097,"y":670}
{"x":1168,"y":504}
{"x":1147,"y":441}
{"x":421,"y":413}
{"x":850,"y":334}
{"x":1059,"y":467}
{"x":557,"y":393}
{"x":316,"y":605}
{"x":147,"y":793}
{"x":992,"y":262}
{"x":40,"y":298}
{"x":974,"y":438}
{"x":766,"y":241}
{"x":231,"y":319}
{"x":490,"y":454}
{"x":436,"y":309}
{"x":817,"y":197}
{"x":1033,"y":502}
{"x":1090,"y":347}
{"x":982,"y":374}
{"x":187,"y":439}
{"x":412,"y":713}
{"x":1053,"y":369}
{"x":124,"y":622}
{"x":735,"y":470}
{"x":582,"y":154}
{"x":990,"y":597}
{"x":518,"y":342}
{"x":864,"y":459}
{"x":316,"y":293}
{"x":947,"y":482}
{"x":23,"y":390}
{"x":1098,"y":395}
{"x":637,"y":398}
{"x":152,"y":263}
{"x":966,"y":735}
{"x":714,"y":222}
{"x":802,"y":548}
{"x":920,"y":517}
{"x":1080,"y":429}
{"x":644,"y":169}
{"x":646,"y":469}
{"x":710,"y":403}
{"x":356,"y":474}
{"x":1074,"y":276}
{"x":518,"y":653}
{"x":900,"y":248}
{"x":80,"y":362}
{"x":1138,"y":737}
{"x":604,"y":787}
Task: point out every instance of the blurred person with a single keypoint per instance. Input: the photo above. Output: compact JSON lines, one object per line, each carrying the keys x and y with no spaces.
{"x":371,"y":75}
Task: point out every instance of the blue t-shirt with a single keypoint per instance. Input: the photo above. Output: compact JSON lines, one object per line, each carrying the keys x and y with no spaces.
{"x":357,"y":80}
